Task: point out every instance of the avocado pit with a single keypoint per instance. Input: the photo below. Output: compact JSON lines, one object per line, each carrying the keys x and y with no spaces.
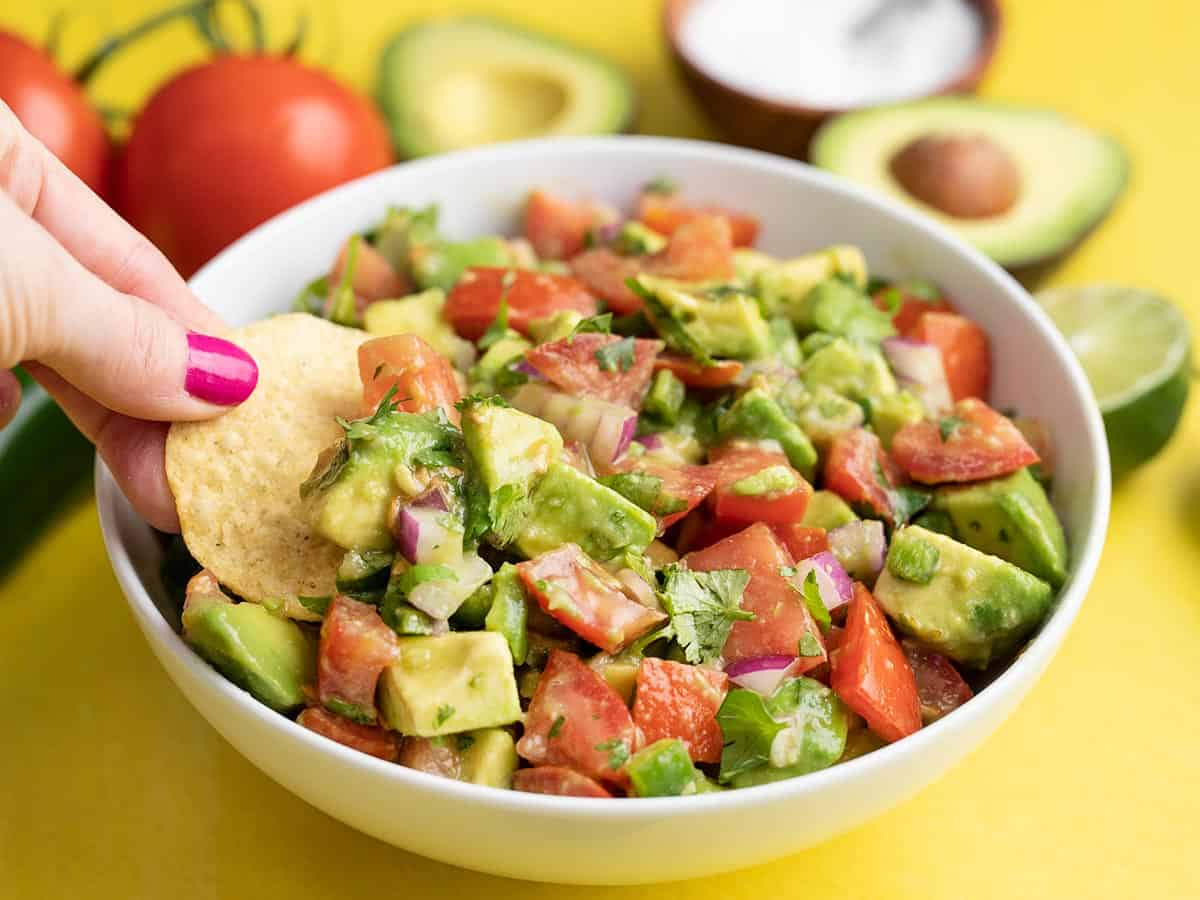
{"x":966,"y":176}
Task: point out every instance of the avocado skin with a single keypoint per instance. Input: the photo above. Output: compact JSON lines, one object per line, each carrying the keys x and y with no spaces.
{"x":567,"y":506}
{"x":269,"y":656}
{"x":975,"y":609}
{"x":1011,"y":518}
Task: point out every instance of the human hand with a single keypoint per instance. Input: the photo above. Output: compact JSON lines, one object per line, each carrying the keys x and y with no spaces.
{"x":99,"y":317}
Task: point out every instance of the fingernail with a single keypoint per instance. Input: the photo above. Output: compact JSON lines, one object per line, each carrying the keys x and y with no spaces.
{"x":218,"y":371}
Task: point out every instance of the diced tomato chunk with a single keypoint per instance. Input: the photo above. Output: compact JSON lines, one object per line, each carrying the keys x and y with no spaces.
{"x":683,"y":487}
{"x":572,"y":365}
{"x":910,"y":309}
{"x":578,"y":592}
{"x":423,"y":378}
{"x":974,"y":443}
{"x":700,"y":250}
{"x":436,"y":756}
{"x":557,"y":781}
{"x":964,"y":346}
{"x":738,"y":460}
{"x":577,"y":720}
{"x":557,"y":228}
{"x":858,"y":469}
{"x":939,"y":686}
{"x":369,"y":739}
{"x":665,"y":214}
{"x":694,"y":375}
{"x":802,"y":541}
{"x":374,"y":278}
{"x":474,"y":301}
{"x":675,"y":700}
{"x":781,"y":616}
{"x":355,"y":646}
{"x":871,"y":673}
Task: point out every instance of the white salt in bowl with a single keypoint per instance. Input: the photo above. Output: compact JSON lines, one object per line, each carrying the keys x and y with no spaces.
{"x":585,"y":841}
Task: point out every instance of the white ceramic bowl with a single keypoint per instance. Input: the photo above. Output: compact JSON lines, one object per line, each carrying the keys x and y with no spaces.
{"x":625,"y":841}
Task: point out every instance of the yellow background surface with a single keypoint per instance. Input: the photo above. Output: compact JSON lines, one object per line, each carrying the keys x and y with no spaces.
{"x":112,"y":787}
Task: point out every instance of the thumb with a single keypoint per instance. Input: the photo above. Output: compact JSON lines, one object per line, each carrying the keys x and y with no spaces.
{"x":126,"y":353}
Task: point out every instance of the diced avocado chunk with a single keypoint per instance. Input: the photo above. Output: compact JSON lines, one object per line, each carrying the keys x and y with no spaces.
{"x":665,"y":398}
{"x":835,"y":307}
{"x":509,"y":447}
{"x":784,"y":285}
{"x":771,"y":480}
{"x":936,"y":520}
{"x":419,"y":314}
{"x":729,"y":324}
{"x":664,"y":769}
{"x":786,"y":344}
{"x":472,"y":614}
{"x":350,"y":491}
{"x":555,"y":327}
{"x":891,"y":412}
{"x":484,"y":375}
{"x":265,"y":654}
{"x":569,"y":507}
{"x":756,"y":415}
{"x":439,"y":263}
{"x":635,"y":239}
{"x":490,"y":758}
{"x":364,"y":573}
{"x":620,"y":675}
{"x":401,"y":229}
{"x":748,"y":263}
{"x":450,"y":683}
{"x":853,"y":370}
{"x":827,"y":510}
{"x":508,"y":613}
{"x":1011,"y":518}
{"x":824,"y":414}
{"x":974,"y":608}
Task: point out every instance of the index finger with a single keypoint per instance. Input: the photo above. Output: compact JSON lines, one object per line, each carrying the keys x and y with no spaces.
{"x":90,"y":230}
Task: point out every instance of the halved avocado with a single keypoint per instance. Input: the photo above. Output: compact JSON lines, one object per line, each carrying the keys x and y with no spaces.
{"x":459,"y":82}
{"x":1067,"y":176}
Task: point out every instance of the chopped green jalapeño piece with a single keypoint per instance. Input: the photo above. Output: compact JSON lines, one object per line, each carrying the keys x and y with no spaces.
{"x":914,"y":560}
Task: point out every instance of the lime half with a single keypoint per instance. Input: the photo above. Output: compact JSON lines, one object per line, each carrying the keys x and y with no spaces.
{"x":1136,"y":350}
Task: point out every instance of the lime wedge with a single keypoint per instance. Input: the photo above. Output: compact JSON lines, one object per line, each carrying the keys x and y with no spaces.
{"x":1136,"y":350}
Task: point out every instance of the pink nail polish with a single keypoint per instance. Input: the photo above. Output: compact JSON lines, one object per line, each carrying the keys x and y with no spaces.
{"x":218,"y":371}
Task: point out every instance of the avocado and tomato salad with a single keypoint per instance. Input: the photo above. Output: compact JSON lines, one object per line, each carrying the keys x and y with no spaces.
{"x":633,"y":509}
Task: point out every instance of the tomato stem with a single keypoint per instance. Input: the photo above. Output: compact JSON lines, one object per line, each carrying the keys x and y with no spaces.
{"x":197,"y":10}
{"x":297,"y":41}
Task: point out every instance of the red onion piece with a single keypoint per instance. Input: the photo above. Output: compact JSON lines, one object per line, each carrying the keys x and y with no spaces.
{"x":835,"y":585}
{"x":861,"y":548}
{"x":919,"y":370}
{"x":441,"y":599}
{"x":650,"y":441}
{"x":761,"y":674}
{"x":433,"y":497}
{"x":525,"y":367}
{"x":422,"y":532}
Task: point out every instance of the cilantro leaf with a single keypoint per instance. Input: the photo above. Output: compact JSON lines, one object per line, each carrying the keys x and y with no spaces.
{"x":444,"y":712}
{"x":703,"y":607}
{"x":811,"y":592}
{"x":669,"y":327}
{"x":601,"y":324}
{"x":617,"y":355}
{"x":618,"y":752}
{"x":556,"y":727}
{"x":905,"y":501}
{"x":748,"y":729}
{"x":948,"y":426}
{"x":311,"y":298}
{"x":498,"y":328}
{"x":662,"y":184}
{"x":921,"y":289}
{"x":316,"y":605}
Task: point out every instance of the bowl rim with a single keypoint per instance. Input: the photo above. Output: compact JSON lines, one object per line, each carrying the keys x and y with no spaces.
{"x":1026,"y":668}
{"x":965,"y":80}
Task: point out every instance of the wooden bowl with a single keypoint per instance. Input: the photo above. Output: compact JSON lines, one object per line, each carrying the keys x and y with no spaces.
{"x":786,"y":128}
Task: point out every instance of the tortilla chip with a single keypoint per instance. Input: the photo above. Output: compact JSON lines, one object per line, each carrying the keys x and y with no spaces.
{"x":236,"y":478}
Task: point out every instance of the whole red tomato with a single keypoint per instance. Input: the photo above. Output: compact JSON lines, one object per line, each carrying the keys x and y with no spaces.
{"x":227,"y":144}
{"x":52,"y":106}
